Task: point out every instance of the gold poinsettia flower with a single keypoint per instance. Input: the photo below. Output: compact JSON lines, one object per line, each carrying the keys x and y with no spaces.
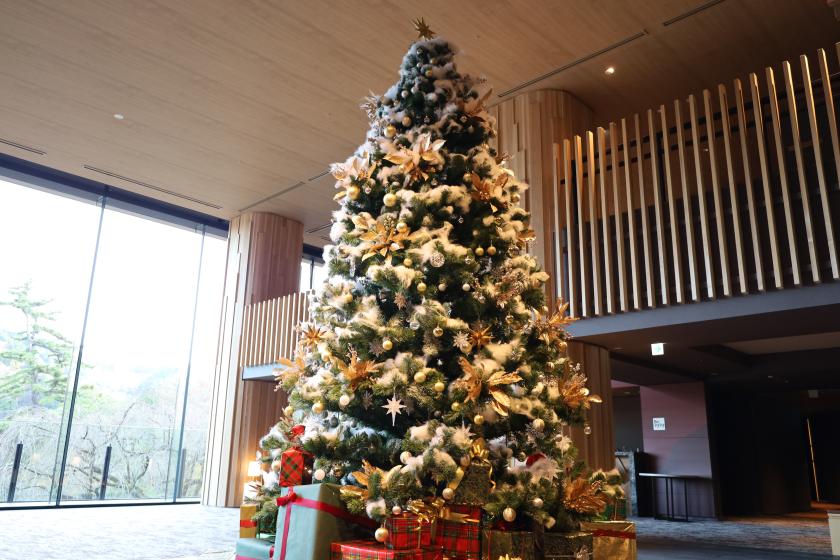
{"x":381,"y":239}
{"x":311,"y":335}
{"x":485,"y":190}
{"x":363,"y":479}
{"x":356,"y":370}
{"x":550,"y":326}
{"x":369,"y":105}
{"x":480,"y":335}
{"x":423,"y":152}
{"x":575,"y":394}
{"x":475,"y":379}
{"x":291,"y":371}
{"x":358,"y":168}
{"x":475,"y":107}
{"x":525,"y":237}
{"x":583,"y":496}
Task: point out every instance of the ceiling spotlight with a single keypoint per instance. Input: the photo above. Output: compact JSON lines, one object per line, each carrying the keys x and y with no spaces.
{"x":657,"y":349}
{"x":119,"y":116}
{"x":610,"y":70}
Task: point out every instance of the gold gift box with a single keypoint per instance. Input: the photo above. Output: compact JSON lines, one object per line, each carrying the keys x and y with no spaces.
{"x":247,"y":528}
{"x":612,"y":540}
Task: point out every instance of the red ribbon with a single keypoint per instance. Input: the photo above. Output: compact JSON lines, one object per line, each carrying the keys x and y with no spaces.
{"x":247,"y":523}
{"x":292,"y":499}
{"x":616,"y":534}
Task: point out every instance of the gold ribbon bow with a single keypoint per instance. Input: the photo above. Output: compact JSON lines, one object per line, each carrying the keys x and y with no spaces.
{"x":435,"y":508}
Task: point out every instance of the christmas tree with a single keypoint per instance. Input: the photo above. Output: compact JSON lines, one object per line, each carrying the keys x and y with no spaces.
{"x":432,"y":369}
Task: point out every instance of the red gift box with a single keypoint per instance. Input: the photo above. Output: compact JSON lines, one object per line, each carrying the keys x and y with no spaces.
{"x":295,"y":467}
{"x":460,"y":539}
{"x":370,"y":550}
{"x":407,"y":530}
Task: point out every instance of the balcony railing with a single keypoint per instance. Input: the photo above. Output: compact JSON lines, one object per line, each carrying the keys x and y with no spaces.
{"x":731,"y":192}
{"x":269,"y":329}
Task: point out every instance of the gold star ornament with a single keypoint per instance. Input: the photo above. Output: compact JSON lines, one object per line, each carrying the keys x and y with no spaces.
{"x":423,"y":29}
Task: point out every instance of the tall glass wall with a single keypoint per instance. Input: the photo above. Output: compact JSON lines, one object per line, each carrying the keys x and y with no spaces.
{"x":108,"y":326}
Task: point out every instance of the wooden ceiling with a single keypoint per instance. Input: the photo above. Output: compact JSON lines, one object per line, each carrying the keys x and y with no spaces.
{"x":241,"y":104}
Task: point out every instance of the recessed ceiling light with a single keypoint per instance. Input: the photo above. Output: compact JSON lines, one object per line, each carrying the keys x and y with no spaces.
{"x":119,"y":116}
{"x":610,"y":70}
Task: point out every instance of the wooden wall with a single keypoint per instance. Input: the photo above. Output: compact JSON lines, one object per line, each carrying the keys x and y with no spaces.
{"x":598,"y":447}
{"x":264,"y":254}
{"x":528,"y":127}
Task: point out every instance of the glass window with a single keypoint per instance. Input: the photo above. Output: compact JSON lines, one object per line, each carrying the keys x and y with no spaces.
{"x":109,"y":316}
{"x":46,"y":248}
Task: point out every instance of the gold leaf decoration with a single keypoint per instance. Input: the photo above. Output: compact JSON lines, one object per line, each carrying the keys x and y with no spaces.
{"x":356,"y":370}
{"x":423,"y":29}
{"x":480,"y":336}
{"x":311,"y":335}
{"x":474,"y":380}
{"x":411,"y":161}
{"x":380,"y":240}
{"x":584,"y":497}
{"x":575,"y":394}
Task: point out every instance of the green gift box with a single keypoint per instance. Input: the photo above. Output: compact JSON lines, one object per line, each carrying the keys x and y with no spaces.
{"x":254,"y":549}
{"x":497,"y":543}
{"x":310,"y":518}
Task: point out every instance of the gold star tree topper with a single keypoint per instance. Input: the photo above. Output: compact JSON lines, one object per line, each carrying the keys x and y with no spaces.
{"x":423,"y":29}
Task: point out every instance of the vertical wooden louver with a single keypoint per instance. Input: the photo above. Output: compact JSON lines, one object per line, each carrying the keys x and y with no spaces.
{"x":730,"y":192}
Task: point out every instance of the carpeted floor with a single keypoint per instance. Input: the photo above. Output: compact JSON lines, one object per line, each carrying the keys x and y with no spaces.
{"x":162,"y":532}
{"x":771,"y":535}
{"x":194,"y":532}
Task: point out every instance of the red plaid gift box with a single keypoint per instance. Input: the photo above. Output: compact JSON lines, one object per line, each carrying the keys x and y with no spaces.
{"x":460,"y":540}
{"x":370,"y":550}
{"x":294,"y":463}
{"x":408,"y":531}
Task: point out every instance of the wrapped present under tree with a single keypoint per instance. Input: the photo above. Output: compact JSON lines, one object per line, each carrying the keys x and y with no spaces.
{"x":574,"y":545}
{"x":409,"y":530}
{"x":371,"y":550}
{"x":247,"y":526}
{"x":501,"y":543}
{"x":254,"y":549}
{"x":310,"y":518}
{"x":613,"y":540}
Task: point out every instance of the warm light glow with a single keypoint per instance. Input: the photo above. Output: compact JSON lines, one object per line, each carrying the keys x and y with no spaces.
{"x":119,"y":116}
{"x":254,"y":468}
{"x":657,"y":349}
{"x":610,"y":70}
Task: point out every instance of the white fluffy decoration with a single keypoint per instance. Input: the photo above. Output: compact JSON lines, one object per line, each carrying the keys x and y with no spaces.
{"x":420,"y":433}
{"x":376,"y":508}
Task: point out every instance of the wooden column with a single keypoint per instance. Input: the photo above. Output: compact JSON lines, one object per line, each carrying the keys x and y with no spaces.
{"x":263,"y":262}
{"x":528,"y":126}
{"x":597,"y":448}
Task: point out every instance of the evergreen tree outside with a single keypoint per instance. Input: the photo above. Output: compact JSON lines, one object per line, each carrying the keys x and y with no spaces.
{"x":431,"y":350}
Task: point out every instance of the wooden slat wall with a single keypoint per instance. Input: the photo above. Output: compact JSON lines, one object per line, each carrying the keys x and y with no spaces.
{"x":741,"y":189}
{"x":271,"y":329}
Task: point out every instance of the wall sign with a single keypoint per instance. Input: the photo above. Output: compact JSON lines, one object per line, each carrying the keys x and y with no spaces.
{"x":659,"y":424}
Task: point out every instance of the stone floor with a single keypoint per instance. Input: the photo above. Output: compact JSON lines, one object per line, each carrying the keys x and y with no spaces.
{"x":193,"y":532}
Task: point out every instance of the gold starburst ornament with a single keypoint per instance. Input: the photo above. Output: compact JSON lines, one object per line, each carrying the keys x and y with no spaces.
{"x":423,"y":29}
{"x":355,"y":371}
{"x":475,"y":378}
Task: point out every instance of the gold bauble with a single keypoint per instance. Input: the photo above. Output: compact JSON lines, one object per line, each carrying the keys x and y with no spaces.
{"x":402,"y":227}
{"x":421,"y":287}
{"x":538,"y":502}
{"x":288,"y":411}
{"x":353,"y":192}
{"x":318,"y":407}
{"x":464,"y":461}
{"x":441,"y":287}
{"x":387,"y":344}
{"x":479,"y":252}
{"x":390,"y":131}
{"x":466,"y":287}
{"x":509,"y":514}
{"x":408,"y":262}
{"x":515,"y":197}
{"x":456,"y":406}
{"x":437,"y":331}
{"x":390,"y":199}
{"x":491,"y":250}
{"x":467,"y":177}
{"x":448,"y":493}
{"x":381,"y":534}
{"x":420,"y":377}
{"x":478,"y":419}
{"x":406,"y":121}
{"x":538,"y":424}
{"x":440,"y":386}
{"x":396,"y":510}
